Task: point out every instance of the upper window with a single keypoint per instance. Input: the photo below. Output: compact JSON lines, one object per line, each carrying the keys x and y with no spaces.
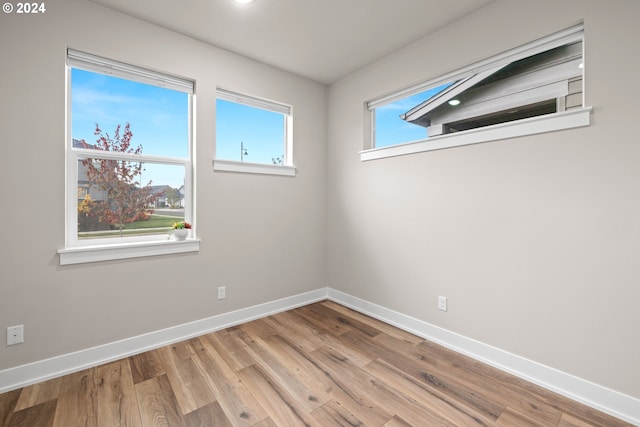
{"x":129,"y":155}
{"x":540,"y":80}
{"x":252,"y":134}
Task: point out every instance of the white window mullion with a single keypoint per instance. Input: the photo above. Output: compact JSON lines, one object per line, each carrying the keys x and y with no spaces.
{"x":129,"y":157}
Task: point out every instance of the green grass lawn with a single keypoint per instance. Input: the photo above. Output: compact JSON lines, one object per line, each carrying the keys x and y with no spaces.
{"x":155,"y":221}
{"x":156,"y":224}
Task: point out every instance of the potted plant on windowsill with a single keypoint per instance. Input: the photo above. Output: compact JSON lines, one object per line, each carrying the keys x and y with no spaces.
{"x":181,"y":230}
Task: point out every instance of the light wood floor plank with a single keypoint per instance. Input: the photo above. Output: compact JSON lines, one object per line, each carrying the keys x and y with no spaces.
{"x":303,"y":368}
{"x":330,"y":325}
{"x":158,"y":405}
{"x":357,"y":400}
{"x":267,"y":422}
{"x":318,"y":365}
{"x":512,"y":418}
{"x":381,"y":326}
{"x":38,"y":393}
{"x":374,"y":393}
{"x":322,"y":312}
{"x":569,"y":421}
{"x":117,"y":401}
{"x":76,"y":404}
{"x":233,"y":351}
{"x":39,"y":415}
{"x":297,"y":330}
{"x":454,"y":411}
{"x":8,"y":402}
{"x":207,"y":416}
{"x":190,"y":388}
{"x":280,"y":405}
{"x":509,"y":391}
{"x":335,"y":414}
{"x":396,"y":421}
{"x":437,"y":375}
{"x":303,"y":392}
{"x":239,"y":405}
{"x":145,"y":366}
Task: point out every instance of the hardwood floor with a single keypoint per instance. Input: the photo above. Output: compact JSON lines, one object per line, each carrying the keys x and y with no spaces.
{"x":318,"y":365}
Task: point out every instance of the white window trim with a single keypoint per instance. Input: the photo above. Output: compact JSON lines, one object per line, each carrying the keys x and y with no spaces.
{"x":257,"y":168}
{"x":574,"y":118}
{"x":288,"y":169}
{"x":579,"y":117}
{"x":97,"y":253}
{"x":94,"y":250}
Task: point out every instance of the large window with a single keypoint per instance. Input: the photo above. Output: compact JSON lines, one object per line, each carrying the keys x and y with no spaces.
{"x":531,"y":89}
{"x":129,"y":160}
{"x":253,"y":134}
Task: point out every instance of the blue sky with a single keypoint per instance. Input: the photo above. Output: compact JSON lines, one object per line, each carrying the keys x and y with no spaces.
{"x":260,"y":131}
{"x":158,"y":118}
{"x":391,"y":129}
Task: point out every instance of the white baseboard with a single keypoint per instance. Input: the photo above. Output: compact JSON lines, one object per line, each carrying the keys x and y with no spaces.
{"x":604,"y":399}
{"x":24,"y":375}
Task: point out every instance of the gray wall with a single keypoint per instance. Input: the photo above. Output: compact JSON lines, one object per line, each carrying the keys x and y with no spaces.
{"x":262,"y":236}
{"x":535,"y":241}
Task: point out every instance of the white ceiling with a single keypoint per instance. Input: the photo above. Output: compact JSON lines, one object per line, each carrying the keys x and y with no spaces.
{"x":323,"y":40}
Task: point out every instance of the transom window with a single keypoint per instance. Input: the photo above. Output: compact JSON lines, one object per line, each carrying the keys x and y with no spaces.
{"x":541,"y":79}
{"x":129,"y":154}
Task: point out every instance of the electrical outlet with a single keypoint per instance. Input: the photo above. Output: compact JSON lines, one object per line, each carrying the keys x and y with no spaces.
{"x":222,"y":292}
{"x":15,"y":335}
{"x":442,"y":303}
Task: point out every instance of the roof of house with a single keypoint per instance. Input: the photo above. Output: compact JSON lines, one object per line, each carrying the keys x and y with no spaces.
{"x":420,"y":110}
{"x":81,"y":143}
{"x":538,"y":70}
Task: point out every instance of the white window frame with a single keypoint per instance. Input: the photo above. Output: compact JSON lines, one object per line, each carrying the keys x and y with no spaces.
{"x":82,"y":251}
{"x":286,"y":169}
{"x":574,"y":118}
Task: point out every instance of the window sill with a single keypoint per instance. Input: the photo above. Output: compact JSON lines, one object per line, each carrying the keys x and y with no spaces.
{"x":531,"y":126}
{"x":256,"y":168}
{"x":97,"y":253}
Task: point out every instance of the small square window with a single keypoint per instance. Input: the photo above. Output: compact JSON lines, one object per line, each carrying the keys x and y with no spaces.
{"x":252,"y":131}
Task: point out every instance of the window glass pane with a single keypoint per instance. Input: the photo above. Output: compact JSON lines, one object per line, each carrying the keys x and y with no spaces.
{"x":249,"y":134}
{"x":159,"y":117}
{"x":391,"y":129}
{"x":120,"y":199}
{"x":543,"y":83}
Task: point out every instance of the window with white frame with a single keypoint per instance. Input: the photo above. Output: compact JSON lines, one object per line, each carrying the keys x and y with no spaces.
{"x":129,"y":160}
{"x":534,"y":88}
{"x":253,"y":134}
